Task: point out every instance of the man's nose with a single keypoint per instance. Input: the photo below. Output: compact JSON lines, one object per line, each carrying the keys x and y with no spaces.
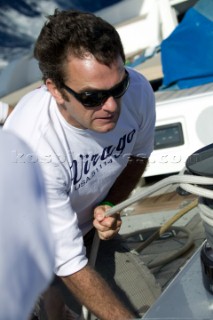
{"x":110,"y":105}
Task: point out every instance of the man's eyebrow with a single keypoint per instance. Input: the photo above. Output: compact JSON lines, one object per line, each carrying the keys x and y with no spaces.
{"x":91,"y":89}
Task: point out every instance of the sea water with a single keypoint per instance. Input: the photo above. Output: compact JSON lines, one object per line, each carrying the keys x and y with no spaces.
{"x":22,"y":20}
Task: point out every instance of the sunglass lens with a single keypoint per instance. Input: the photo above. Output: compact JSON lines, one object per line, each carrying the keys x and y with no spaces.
{"x":96,"y":99}
{"x":92,"y":100}
{"x":121,"y":89}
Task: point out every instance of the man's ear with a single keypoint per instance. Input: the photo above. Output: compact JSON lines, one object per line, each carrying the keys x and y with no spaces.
{"x":54,"y":91}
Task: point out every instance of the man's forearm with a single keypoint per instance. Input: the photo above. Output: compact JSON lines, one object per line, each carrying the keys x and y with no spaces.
{"x":94,"y":293}
{"x":128,"y":180}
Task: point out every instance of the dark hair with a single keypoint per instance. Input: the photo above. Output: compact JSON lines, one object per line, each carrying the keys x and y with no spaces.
{"x":77,"y":33}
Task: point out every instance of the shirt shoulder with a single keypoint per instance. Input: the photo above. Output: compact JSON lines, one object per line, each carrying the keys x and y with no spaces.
{"x":30,"y":112}
{"x":139,"y":99}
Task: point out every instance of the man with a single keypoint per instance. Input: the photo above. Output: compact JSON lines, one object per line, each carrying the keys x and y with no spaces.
{"x":91,"y":126}
{"x":26,"y":242}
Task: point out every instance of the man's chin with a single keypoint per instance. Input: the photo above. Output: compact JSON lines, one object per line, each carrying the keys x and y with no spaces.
{"x":104,"y":128}
{"x":105,"y":125}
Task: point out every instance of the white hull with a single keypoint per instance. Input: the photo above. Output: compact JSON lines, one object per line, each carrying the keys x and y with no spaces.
{"x":192,"y":111}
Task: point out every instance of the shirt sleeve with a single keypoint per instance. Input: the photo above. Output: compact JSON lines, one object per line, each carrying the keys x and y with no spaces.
{"x":143,"y":98}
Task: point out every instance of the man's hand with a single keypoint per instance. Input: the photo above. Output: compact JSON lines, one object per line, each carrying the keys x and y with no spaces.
{"x":107,"y":227}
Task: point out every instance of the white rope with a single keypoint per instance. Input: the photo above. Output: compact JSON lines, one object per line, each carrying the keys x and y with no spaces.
{"x":201,"y":192}
{"x":176,"y":179}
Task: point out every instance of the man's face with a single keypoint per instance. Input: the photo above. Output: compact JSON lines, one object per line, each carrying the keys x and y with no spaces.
{"x":89,"y":75}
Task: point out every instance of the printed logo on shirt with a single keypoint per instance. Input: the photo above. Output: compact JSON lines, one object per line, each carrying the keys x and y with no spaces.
{"x":86,"y":166}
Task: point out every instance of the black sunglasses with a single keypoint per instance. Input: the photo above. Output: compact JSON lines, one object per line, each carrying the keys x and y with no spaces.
{"x":97,"y":98}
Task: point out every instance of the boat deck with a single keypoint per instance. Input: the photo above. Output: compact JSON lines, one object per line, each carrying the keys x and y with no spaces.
{"x":155,"y":211}
{"x":162,"y":249}
{"x":140,"y":279}
{"x":183,"y":93}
